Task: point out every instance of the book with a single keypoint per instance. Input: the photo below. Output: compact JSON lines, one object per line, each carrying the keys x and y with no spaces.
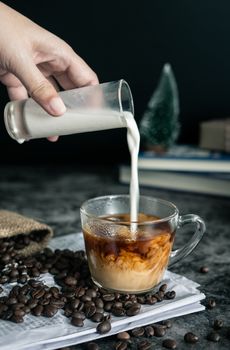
{"x":205,"y":183}
{"x":187,"y":159}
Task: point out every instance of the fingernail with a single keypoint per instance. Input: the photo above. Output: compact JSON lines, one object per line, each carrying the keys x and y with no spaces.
{"x":52,"y":138}
{"x":57,"y":106}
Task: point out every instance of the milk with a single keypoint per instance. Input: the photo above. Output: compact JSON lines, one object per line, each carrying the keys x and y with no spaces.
{"x":26,"y":120}
{"x":133,"y":139}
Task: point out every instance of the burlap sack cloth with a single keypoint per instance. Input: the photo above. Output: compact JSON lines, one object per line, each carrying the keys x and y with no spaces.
{"x":13,"y":224}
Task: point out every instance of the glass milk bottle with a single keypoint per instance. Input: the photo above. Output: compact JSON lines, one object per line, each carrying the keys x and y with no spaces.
{"x":92,"y":108}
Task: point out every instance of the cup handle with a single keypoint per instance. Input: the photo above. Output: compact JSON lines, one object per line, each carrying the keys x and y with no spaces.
{"x":183,"y":220}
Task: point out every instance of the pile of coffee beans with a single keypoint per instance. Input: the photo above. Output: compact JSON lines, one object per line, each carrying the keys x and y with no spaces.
{"x":76,"y":294}
{"x":33,"y":297}
{"x":12,"y":267}
{"x":140,"y":337}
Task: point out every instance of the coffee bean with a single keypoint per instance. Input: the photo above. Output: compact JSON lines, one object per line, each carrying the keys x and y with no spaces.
{"x":81,"y":306}
{"x":211,"y":304}
{"x":149,"y":331}
{"x":38,"y":293}
{"x":43,"y":302}
{"x":118,"y":311}
{"x":11,"y":301}
{"x":92,"y":346}
{"x":128,"y":304}
{"x":90,"y":310}
{"x":54,"y":291}
{"x":133,"y":310}
{"x":204,"y":269}
{"x":32,"y":303}
{"x":133,"y":297}
{"x":17,"y":306}
{"x":77,"y":322}
{"x":218,"y":324}
{"x":159,"y":330}
{"x":26,"y":309}
{"x":99,"y":303}
{"x":68,"y":312}
{"x":141,"y":299}
{"x":169,"y":344}
{"x":70,"y":281}
{"x":159,"y":295}
{"x":170,"y":295}
{"x":86,"y":298}
{"x":16,"y":319}
{"x":123,"y":336}
{"x":48,"y":295}
{"x":104,"y":327}
{"x":38,"y":310}
{"x":213,"y":336}
{"x":35,"y":272}
{"x":108,"y":306}
{"x":80,"y":291}
{"x":163,"y":287}
{"x":151,"y":300}
{"x":191,"y":338}
{"x":79,"y":314}
{"x":69,"y":295}
{"x":23,"y":298}
{"x":97,"y":317}
{"x":138,"y":332}
{"x":3,"y":308}
{"x":91,"y":293}
{"x":7,"y":314}
{"x":118,"y":304}
{"x":58,"y":303}
{"x":74,"y":303}
{"x":4,"y":279}
{"x":108,"y":297}
{"x":14,"y":273}
{"x":19,"y":312}
{"x":24,"y":290}
{"x":166,"y":323}
{"x":121,"y":345}
{"x":144,"y":345}
{"x":6,"y":258}
{"x":49,"y":310}
{"x":1,"y":290}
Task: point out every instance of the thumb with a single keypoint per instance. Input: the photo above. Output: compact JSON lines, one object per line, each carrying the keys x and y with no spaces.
{"x":41,"y":90}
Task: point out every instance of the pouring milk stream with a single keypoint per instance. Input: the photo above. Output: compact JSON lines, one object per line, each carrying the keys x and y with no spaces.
{"x":26,"y":120}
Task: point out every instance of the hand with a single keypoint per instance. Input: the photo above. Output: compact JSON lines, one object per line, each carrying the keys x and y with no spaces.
{"x":32,"y":60}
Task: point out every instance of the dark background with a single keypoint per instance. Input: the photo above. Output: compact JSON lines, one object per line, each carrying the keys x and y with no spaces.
{"x":132,"y":40}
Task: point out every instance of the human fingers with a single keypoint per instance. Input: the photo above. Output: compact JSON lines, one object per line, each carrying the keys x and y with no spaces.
{"x":39,"y":88}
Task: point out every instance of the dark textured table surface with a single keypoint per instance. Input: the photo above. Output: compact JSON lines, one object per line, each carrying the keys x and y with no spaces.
{"x":54,"y":195}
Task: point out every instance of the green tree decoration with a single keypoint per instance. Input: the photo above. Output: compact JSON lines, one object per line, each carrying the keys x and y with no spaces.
{"x":159,"y":126}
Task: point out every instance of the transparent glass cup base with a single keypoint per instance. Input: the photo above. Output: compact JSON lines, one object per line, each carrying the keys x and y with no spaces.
{"x":154,"y":288}
{"x":124,"y":263}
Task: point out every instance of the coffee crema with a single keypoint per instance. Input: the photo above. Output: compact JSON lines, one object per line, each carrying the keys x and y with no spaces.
{"x":120,"y":261}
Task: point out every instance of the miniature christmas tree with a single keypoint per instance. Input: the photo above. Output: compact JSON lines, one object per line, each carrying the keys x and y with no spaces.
{"x":159,"y":126}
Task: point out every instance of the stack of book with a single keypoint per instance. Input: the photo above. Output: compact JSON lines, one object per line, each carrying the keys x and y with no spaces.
{"x":183,"y":168}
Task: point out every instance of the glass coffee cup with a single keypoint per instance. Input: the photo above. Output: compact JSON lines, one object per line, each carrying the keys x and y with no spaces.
{"x":131,"y":257}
